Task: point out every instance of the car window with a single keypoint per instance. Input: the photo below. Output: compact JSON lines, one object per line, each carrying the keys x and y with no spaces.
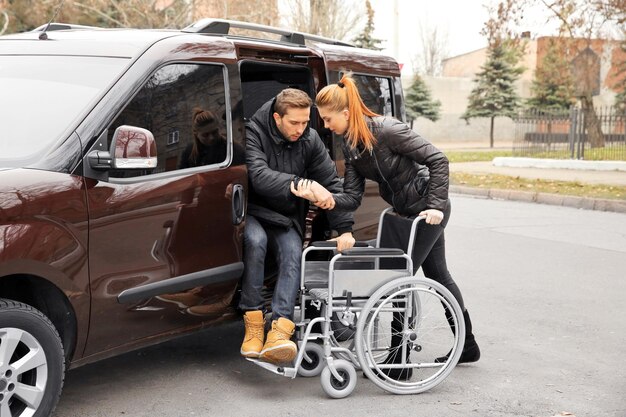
{"x":184,"y":106}
{"x":42,"y":97}
{"x":376,"y":93}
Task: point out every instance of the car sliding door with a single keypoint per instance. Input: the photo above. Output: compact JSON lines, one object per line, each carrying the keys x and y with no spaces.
{"x":165,"y":244}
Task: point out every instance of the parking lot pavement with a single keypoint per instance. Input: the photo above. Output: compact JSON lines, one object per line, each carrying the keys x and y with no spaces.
{"x":544,"y":285}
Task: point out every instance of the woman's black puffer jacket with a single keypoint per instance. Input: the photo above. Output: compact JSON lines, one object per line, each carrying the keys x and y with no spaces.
{"x":412,"y":174}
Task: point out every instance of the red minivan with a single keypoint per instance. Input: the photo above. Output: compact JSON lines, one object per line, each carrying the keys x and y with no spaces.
{"x":108,"y":241}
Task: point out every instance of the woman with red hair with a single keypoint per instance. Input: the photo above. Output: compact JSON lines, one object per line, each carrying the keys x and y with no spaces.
{"x":412,"y":175}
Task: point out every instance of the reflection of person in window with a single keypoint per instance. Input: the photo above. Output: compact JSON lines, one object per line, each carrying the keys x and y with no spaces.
{"x":209,"y":146}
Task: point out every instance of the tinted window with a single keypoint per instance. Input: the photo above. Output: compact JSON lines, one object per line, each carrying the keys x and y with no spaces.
{"x":184,"y":106}
{"x":43,"y":97}
{"x":376,"y":93}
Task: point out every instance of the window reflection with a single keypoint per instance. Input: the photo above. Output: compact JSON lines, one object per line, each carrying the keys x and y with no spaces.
{"x":376,"y":93}
{"x":184,"y":106}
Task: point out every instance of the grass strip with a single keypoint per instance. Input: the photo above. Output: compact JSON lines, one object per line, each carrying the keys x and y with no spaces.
{"x":475,"y":156}
{"x":615,"y":153}
{"x":505,"y":182}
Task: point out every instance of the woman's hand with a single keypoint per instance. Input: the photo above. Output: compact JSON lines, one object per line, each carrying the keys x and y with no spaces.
{"x":314,"y":192}
{"x":433,"y":216}
{"x":324,"y":197}
{"x":344,"y":241}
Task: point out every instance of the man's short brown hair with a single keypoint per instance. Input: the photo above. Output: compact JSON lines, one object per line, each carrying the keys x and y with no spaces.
{"x":291,"y":98}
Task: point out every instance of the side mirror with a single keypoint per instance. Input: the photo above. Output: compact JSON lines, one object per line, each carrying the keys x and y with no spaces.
{"x":133,"y":148}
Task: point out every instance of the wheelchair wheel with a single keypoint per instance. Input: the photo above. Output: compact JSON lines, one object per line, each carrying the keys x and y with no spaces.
{"x":414,"y":321}
{"x":314,"y":365}
{"x":335,"y":388}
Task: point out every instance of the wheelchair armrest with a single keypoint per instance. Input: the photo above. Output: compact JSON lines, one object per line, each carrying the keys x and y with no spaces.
{"x":333,"y":244}
{"x":373,"y":252}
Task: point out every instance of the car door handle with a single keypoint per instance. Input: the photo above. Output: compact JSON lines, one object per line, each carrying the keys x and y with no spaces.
{"x":238,"y":204}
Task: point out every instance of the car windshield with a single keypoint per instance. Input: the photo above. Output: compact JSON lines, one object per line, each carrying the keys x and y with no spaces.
{"x":42,"y":96}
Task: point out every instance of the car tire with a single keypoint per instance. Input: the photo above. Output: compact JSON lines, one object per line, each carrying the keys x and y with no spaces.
{"x":32,"y":362}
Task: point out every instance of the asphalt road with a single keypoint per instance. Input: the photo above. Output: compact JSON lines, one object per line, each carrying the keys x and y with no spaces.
{"x":545,"y":287}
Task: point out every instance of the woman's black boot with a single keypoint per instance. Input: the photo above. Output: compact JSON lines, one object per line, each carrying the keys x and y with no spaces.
{"x":395,"y":351}
{"x":471,"y":351}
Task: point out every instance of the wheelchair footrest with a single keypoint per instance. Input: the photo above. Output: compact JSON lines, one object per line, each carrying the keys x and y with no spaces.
{"x":287,"y":371}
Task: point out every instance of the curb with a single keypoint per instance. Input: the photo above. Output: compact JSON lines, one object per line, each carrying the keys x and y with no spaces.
{"x":600,"y":204}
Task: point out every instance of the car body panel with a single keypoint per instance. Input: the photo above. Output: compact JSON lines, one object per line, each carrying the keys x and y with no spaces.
{"x":154,"y":230}
{"x":44,"y":233}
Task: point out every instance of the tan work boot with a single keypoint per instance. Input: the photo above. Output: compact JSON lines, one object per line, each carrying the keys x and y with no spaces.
{"x":278,"y":347}
{"x":255,"y":332}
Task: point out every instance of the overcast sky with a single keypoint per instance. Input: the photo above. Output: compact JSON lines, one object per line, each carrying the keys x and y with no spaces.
{"x":461,"y":20}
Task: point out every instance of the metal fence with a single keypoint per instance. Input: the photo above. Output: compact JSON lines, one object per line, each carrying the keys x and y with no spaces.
{"x":540,"y":134}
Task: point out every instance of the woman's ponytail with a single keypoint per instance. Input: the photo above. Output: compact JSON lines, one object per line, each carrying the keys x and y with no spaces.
{"x":345,"y":95}
{"x":357,"y":126}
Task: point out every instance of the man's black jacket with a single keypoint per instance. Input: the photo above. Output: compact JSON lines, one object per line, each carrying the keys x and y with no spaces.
{"x":273,"y":162}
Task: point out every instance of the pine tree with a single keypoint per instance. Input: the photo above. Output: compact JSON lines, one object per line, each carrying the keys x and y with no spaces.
{"x":553,"y":87}
{"x":365,"y":39}
{"x":419,"y":102}
{"x":494,"y":94}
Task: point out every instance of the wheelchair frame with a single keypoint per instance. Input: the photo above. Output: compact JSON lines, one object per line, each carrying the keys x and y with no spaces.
{"x":400,"y":294}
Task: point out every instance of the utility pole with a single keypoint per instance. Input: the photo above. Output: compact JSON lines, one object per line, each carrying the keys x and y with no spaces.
{"x":396,"y":31}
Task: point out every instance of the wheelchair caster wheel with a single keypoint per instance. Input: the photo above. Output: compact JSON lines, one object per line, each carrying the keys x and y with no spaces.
{"x":335,"y":388}
{"x":315,"y":364}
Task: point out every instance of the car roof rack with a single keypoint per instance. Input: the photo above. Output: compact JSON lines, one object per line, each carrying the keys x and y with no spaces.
{"x":62,"y":26}
{"x":222,"y":27}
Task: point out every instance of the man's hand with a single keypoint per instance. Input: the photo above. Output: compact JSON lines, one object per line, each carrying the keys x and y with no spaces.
{"x":344,"y":241}
{"x":433,"y":216}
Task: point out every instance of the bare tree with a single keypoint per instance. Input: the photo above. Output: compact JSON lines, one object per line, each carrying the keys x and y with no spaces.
{"x":138,"y":13}
{"x":434,"y":49}
{"x":331,"y":18}
{"x":25,"y":15}
{"x":5,"y":21}
{"x":28,"y":14}
{"x":502,"y":25}
{"x":264,"y":12}
{"x":580,"y":23}
{"x":615,"y":12}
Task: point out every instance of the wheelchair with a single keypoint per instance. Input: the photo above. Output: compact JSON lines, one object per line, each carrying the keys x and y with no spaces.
{"x":372,"y":314}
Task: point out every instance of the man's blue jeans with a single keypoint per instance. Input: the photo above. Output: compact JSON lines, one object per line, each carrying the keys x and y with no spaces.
{"x":286,"y":244}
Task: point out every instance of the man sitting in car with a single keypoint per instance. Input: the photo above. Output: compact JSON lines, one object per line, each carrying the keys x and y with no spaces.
{"x":281,"y":149}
